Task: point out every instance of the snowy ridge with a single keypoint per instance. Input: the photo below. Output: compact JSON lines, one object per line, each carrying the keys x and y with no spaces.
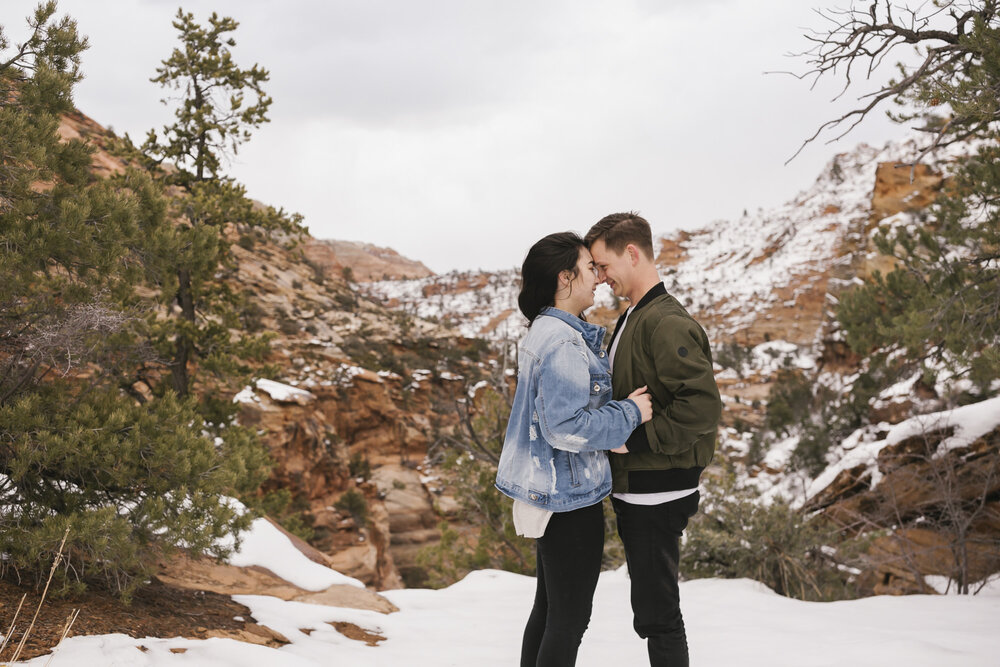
{"x":862,"y":447}
{"x":735,"y":269}
{"x":476,"y":304}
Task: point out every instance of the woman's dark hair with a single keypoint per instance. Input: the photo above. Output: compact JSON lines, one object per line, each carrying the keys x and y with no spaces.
{"x":540,"y":272}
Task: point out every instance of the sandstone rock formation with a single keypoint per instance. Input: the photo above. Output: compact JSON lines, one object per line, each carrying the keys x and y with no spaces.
{"x":363,"y":262}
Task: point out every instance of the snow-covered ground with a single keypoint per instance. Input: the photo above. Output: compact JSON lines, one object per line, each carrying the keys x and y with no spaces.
{"x":478,"y":621}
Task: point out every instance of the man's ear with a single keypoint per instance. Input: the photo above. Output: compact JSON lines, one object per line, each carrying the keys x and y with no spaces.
{"x":633,"y":254}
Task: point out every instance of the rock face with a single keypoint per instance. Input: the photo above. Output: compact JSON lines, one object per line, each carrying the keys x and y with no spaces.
{"x":363,"y":262}
{"x":954,"y":494}
{"x":411,"y":517}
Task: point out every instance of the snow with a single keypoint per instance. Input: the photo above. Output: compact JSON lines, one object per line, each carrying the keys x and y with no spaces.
{"x":282,"y":393}
{"x":246,"y":395}
{"x":466,"y":301}
{"x":266,"y":546}
{"x":479,"y":621}
{"x":968,"y":421}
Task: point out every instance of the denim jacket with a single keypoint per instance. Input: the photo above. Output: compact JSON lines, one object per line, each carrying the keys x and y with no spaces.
{"x":562,"y":419}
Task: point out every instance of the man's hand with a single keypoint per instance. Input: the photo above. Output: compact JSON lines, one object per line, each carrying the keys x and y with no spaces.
{"x":644,"y":402}
{"x":620,"y":450}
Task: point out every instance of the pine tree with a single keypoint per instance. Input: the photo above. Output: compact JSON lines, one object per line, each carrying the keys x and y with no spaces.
{"x":941,"y":304}
{"x":128,"y":479}
{"x":212,"y":119}
{"x":935,"y":317}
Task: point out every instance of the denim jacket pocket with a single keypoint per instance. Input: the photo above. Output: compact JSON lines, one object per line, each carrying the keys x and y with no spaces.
{"x":600,"y":389}
{"x":574,"y":475}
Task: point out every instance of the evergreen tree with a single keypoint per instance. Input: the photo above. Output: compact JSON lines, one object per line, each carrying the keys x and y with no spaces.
{"x":936,"y":314}
{"x":941,"y":304}
{"x":736,"y":535}
{"x":128,"y":480}
{"x":212,"y":119}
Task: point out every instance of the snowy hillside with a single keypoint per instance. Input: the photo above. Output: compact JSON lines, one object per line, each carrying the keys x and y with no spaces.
{"x":729,"y":274}
{"x":475,"y":304}
{"x":737,"y":269}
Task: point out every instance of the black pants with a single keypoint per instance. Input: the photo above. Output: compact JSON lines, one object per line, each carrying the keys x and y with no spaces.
{"x":651,"y":535}
{"x":569,"y":562}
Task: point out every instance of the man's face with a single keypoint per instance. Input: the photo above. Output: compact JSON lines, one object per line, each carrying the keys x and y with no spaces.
{"x":613,"y":269}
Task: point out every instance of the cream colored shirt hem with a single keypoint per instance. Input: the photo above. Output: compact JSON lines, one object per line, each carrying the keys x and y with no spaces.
{"x":530,"y":521}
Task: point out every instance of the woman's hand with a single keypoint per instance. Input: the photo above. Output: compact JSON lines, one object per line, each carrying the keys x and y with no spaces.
{"x":644,"y":402}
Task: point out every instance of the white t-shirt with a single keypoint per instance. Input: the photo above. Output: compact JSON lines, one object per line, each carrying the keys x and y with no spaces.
{"x":614,"y":343}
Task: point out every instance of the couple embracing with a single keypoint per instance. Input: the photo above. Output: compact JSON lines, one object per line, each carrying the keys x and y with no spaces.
{"x":637,"y":421}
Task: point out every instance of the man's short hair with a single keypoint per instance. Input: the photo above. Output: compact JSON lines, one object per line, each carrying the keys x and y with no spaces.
{"x":618,"y":230}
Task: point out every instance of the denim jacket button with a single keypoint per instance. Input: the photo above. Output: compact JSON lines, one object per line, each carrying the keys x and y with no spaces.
{"x":533,"y":496}
{"x":601,"y":354}
{"x":597,"y":387}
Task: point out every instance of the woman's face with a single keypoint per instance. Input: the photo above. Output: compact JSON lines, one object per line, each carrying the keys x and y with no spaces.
{"x":578,"y":295}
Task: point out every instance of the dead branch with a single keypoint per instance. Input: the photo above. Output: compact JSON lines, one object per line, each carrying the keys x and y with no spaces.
{"x":861,"y":39}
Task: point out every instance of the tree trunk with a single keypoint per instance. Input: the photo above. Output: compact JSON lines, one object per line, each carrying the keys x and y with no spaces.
{"x":184,"y":348}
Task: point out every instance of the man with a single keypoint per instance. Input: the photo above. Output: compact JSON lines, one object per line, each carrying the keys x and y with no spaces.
{"x":655,"y":475}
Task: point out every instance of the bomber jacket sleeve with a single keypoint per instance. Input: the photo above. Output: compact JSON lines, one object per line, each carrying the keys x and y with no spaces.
{"x":561,"y":405}
{"x":692,"y":406}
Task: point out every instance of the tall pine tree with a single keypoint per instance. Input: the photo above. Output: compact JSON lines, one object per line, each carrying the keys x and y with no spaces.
{"x":127,"y":479}
{"x":219,"y":106}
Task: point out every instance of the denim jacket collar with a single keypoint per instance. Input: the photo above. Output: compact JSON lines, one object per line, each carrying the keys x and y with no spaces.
{"x":592,"y":334}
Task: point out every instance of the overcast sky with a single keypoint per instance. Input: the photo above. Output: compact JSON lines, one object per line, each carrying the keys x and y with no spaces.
{"x":458,"y":132}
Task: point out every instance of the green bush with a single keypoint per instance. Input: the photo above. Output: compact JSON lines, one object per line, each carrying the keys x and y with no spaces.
{"x":737,"y":534}
{"x":128,"y":481}
{"x":359,"y":466}
{"x":733,"y":355}
{"x":353,"y":502}
{"x":492,"y":543}
{"x":291,"y":513}
{"x":790,"y":398}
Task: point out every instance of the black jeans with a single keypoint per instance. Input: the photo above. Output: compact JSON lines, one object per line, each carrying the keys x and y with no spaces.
{"x":651,"y":535}
{"x":569,"y":562}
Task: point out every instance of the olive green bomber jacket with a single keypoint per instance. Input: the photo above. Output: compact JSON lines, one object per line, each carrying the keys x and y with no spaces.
{"x":665,"y":349}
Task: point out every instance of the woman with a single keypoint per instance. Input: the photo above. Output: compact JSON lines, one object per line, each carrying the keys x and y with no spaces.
{"x":553,"y":462}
